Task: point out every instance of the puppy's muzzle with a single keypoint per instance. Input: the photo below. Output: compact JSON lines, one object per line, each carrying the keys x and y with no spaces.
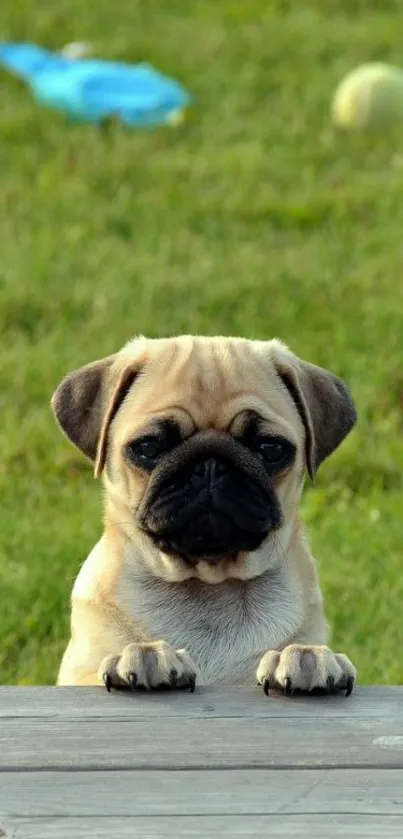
{"x":209,"y":499}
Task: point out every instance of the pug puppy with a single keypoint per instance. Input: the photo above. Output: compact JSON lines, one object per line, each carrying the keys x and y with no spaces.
{"x":203,"y":571}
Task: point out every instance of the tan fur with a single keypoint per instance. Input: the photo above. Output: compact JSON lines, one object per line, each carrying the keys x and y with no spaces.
{"x":223,"y":622}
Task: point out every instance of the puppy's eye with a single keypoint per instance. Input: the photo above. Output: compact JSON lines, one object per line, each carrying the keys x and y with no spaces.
{"x":145,"y":451}
{"x":273,"y":452}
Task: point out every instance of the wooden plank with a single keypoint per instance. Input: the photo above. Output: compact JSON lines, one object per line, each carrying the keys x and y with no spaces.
{"x":186,"y":793}
{"x":95,"y":703}
{"x":225,"y":827}
{"x":208,"y":743}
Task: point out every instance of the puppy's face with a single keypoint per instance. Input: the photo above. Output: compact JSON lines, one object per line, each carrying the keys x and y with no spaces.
{"x":203,"y":443}
{"x":206,"y":453}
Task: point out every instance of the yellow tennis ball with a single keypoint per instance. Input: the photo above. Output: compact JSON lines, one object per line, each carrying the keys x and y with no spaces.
{"x":371,"y":97}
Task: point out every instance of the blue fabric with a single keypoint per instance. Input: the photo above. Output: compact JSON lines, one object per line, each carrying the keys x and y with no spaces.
{"x":93,"y":90}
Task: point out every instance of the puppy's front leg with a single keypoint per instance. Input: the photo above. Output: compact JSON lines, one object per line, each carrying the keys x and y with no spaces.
{"x":307,"y":664}
{"x":107,"y":647}
{"x":149,"y":665}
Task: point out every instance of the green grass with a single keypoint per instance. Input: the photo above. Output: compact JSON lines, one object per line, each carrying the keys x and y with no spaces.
{"x":253,"y":219}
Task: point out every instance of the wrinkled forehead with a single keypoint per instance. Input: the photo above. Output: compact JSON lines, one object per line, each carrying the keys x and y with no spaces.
{"x":212,"y":381}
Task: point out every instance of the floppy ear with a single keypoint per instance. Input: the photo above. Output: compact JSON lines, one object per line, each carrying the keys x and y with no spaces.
{"x":87,"y":400}
{"x":323,"y":402}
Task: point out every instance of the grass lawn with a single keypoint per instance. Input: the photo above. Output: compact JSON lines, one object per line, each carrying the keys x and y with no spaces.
{"x":252,"y":219}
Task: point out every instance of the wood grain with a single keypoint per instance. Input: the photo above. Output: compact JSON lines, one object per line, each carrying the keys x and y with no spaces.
{"x":33,"y":702}
{"x":206,"y":743}
{"x":225,"y":827}
{"x":186,"y":793}
{"x":229,"y":762}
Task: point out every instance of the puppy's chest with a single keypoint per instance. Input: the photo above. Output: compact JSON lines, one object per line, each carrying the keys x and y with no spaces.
{"x":225,"y":632}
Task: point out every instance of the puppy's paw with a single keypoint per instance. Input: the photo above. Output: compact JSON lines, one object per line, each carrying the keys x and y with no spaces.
{"x":304,"y":668}
{"x":149,"y":666}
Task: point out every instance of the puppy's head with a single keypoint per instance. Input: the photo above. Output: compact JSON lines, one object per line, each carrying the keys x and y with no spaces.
{"x":203,"y":443}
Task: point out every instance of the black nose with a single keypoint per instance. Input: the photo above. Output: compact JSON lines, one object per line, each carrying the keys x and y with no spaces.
{"x":209,"y":472}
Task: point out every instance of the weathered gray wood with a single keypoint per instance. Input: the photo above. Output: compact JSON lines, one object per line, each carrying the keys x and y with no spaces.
{"x":220,"y":763}
{"x":224,"y":827}
{"x":186,"y":793}
{"x":205,"y":702}
{"x":205,"y":743}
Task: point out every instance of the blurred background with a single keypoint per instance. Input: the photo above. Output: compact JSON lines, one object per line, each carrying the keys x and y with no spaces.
{"x":254,"y":218}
